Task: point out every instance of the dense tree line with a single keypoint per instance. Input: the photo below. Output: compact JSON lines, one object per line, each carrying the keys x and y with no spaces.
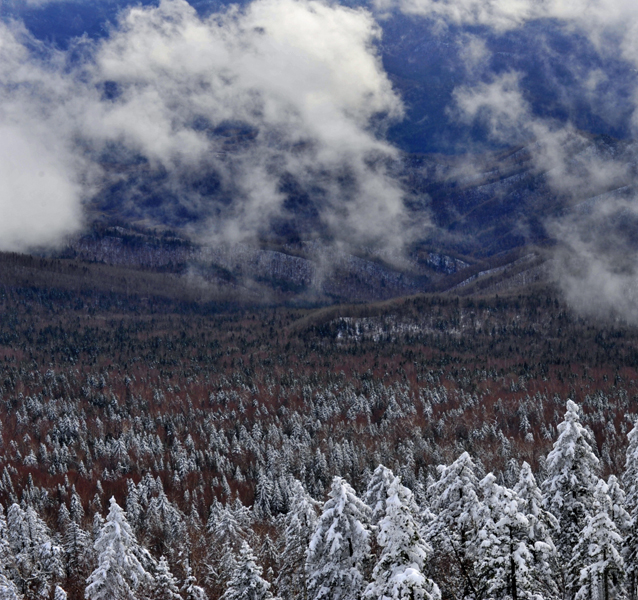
{"x":219,"y":435}
{"x":562,"y":533}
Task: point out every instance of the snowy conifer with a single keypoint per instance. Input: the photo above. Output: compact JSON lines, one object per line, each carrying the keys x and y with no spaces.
{"x":119,"y":572}
{"x":399,"y":573}
{"x":190,"y":590}
{"x":228,"y":528}
{"x":76,"y":510}
{"x":165,"y":528}
{"x":597,"y":562}
{"x":8,"y":590}
{"x":618,"y":499}
{"x":77,"y":546}
{"x":453,"y":533}
{"x":506,"y":562}
{"x":263,"y":496}
{"x":630,"y":481}
{"x":377,"y":492}
{"x":542,"y":526}
{"x":59,"y":593}
{"x":246,"y":582}
{"x":37,"y":560}
{"x":339,"y":547}
{"x":568,"y":490}
{"x":165,"y":586}
{"x":6,"y":555}
{"x":299,"y":524}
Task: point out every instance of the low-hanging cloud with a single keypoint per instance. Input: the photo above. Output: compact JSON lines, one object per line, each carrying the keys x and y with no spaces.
{"x":596,"y":259}
{"x":596,"y":262}
{"x":40,"y":176}
{"x":280,"y":93}
{"x":563,"y":154}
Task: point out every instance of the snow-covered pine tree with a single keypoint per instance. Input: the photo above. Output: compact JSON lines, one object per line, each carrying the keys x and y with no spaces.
{"x":59,"y":593}
{"x":263,"y":496}
{"x":165,"y":528}
{"x":134,"y":509}
{"x":269,"y":556}
{"x":165,"y":586}
{"x":299,"y":526}
{"x":377,"y":492}
{"x":190,"y":590}
{"x":453,"y":533}
{"x":78,"y":550}
{"x":630,"y":481}
{"x":597,"y":564}
{"x":37,"y":560}
{"x":227,"y":529}
{"x":339,"y":546}
{"x":246,"y":582}
{"x":568,"y":490}
{"x":119,"y":572}
{"x":76,"y":510}
{"x":542,"y":526}
{"x":399,"y":573}
{"x":8,"y":590}
{"x":505,"y":563}
{"x":6,"y":555}
{"x":618,"y":499}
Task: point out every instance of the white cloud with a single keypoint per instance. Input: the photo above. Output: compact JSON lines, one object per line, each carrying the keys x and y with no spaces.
{"x":39,"y":199}
{"x":40,"y":188}
{"x":301,"y":77}
{"x":303,"y":74}
{"x":573,"y":167}
{"x":596,"y":262}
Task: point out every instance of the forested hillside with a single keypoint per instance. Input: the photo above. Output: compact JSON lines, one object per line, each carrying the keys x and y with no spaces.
{"x":200,"y":449}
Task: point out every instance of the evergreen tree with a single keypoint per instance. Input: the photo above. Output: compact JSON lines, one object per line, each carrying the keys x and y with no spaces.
{"x":597,"y":559}
{"x":59,"y":593}
{"x":377,"y":492}
{"x":399,"y":573}
{"x":165,"y":528}
{"x":228,"y":527}
{"x":6,"y":556}
{"x":299,"y":526}
{"x":165,"y":586}
{"x":8,"y":590}
{"x":630,"y":481}
{"x":190,"y":590}
{"x":543,"y":525}
{"x":339,"y":547}
{"x":568,"y":490}
{"x":506,"y":562}
{"x":618,"y":499}
{"x":119,"y":572}
{"x":263,"y":496}
{"x":37,"y":560}
{"x":77,"y":547}
{"x":453,"y":532}
{"x":269,"y":556}
{"x":76,"y":510}
{"x":246,"y":582}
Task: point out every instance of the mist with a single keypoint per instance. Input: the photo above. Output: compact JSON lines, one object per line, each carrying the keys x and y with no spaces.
{"x":223,"y":115}
{"x":595,"y":263}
